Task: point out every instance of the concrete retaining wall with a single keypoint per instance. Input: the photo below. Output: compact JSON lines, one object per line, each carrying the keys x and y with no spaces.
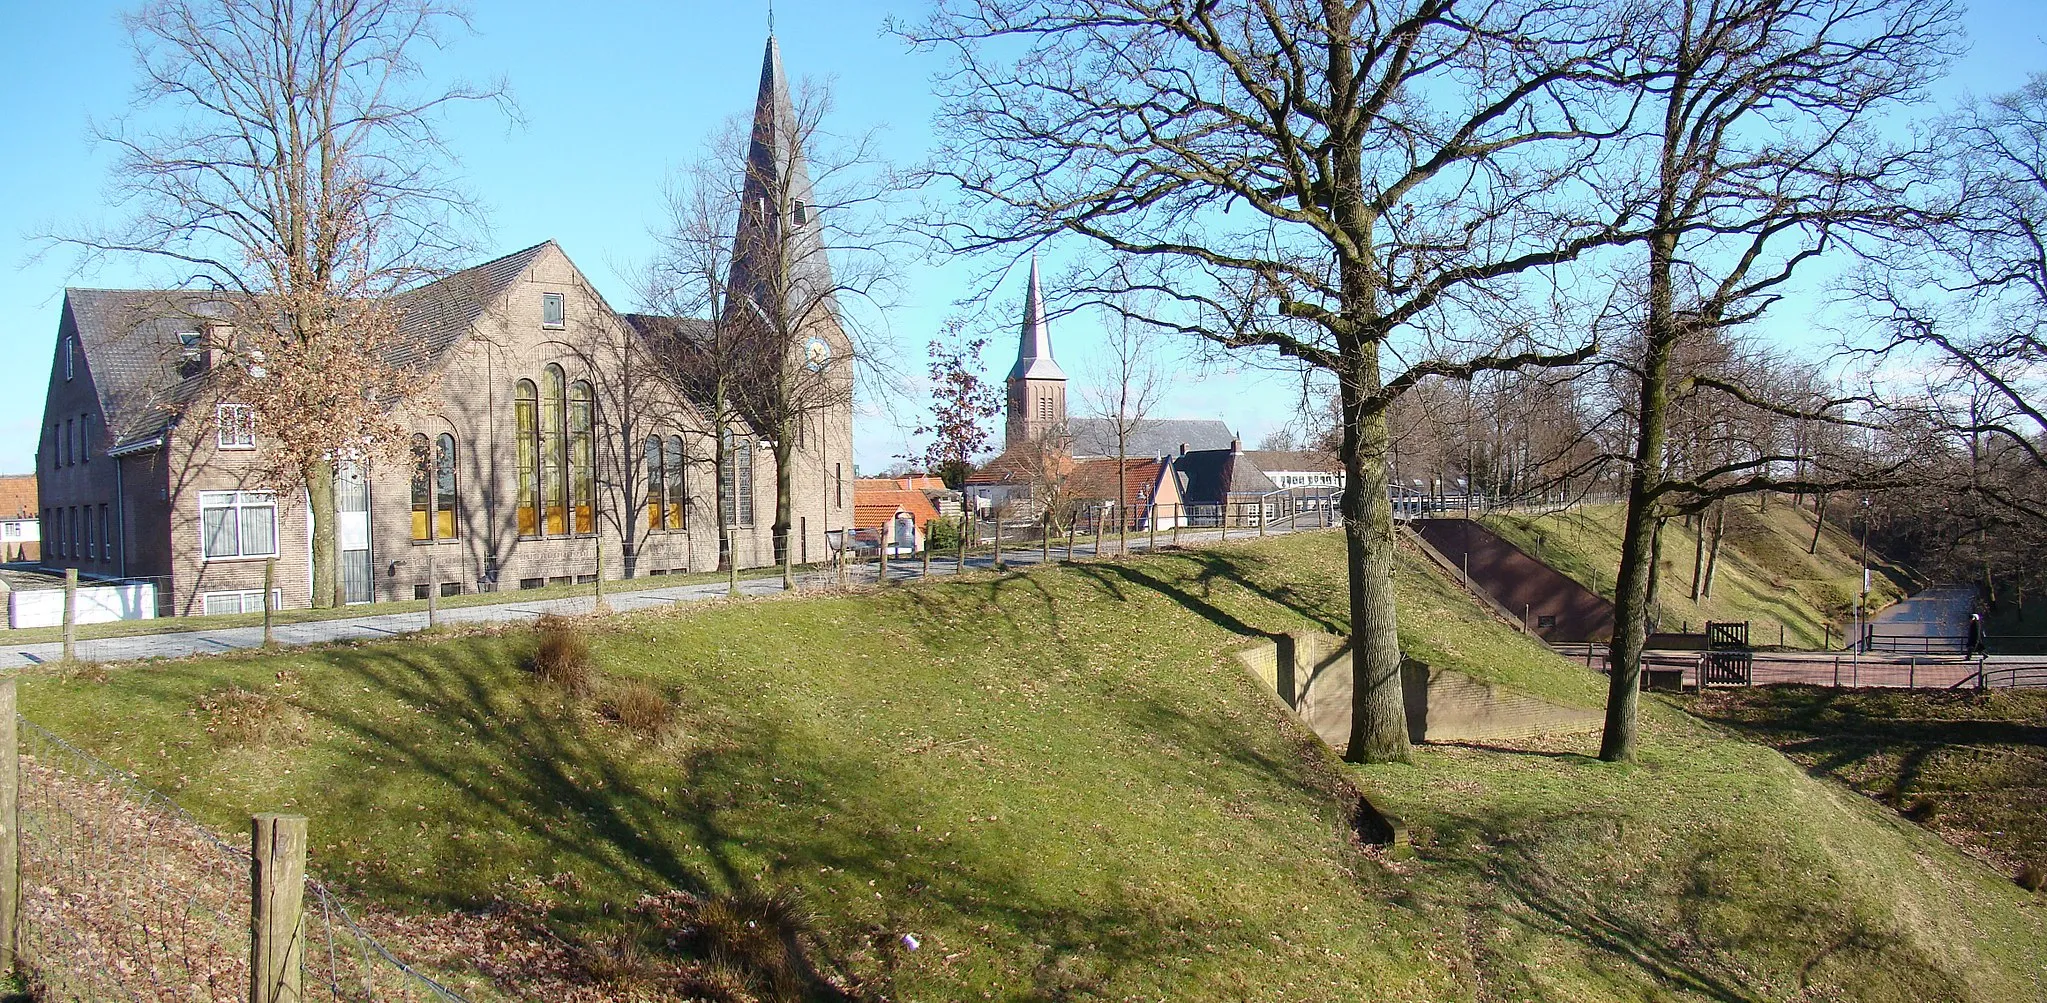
{"x":1311,"y":673}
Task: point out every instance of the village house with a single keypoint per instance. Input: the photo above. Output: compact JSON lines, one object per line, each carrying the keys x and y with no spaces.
{"x":524,"y":461}
{"x":1175,"y":471}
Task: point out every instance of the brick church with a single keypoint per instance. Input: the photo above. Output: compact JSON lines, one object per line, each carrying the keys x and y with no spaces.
{"x":523,"y":464}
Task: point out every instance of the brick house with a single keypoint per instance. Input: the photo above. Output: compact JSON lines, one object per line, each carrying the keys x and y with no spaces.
{"x":542,"y":442}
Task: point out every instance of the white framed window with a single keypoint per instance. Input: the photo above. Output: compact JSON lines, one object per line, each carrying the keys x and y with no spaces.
{"x":553,"y":315}
{"x":70,"y":359}
{"x":237,"y":524}
{"x":237,"y":424}
{"x":239,"y":601}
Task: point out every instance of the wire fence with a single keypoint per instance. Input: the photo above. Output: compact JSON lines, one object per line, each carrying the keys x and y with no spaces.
{"x":125,"y":896}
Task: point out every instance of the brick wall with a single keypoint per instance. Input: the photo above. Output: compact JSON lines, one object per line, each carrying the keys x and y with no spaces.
{"x":1523,"y":585}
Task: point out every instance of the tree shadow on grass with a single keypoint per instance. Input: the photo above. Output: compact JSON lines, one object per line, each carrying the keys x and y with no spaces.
{"x":1708,"y":913}
{"x":761,"y":802}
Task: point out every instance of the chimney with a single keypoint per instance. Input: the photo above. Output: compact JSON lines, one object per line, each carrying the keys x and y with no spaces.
{"x":1236,"y":446}
{"x":1183,"y":449}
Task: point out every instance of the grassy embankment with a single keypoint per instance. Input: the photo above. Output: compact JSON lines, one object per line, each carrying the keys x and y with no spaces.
{"x":1063,"y":785}
{"x":1764,"y":574}
{"x":1970,"y":766}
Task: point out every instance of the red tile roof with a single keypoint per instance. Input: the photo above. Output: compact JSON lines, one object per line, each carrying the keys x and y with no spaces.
{"x":18,"y":496}
{"x":1095,"y":480}
{"x":875,"y":502}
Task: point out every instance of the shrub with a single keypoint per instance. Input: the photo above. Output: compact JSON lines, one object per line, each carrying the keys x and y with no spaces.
{"x":943,"y":535}
{"x":638,"y":706}
{"x":562,"y":656}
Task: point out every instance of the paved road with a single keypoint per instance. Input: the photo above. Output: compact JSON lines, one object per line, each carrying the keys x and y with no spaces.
{"x":381,"y":625}
{"x":1933,"y":619}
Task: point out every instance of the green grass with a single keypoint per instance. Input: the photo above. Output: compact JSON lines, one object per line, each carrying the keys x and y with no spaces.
{"x":1764,"y":574}
{"x":1061,"y":781}
{"x":1971,"y":766}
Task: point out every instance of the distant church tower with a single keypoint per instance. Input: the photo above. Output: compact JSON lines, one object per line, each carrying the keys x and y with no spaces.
{"x":1037,"y":386}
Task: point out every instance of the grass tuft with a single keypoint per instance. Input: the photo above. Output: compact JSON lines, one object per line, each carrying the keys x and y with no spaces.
{"x":241,"y":717}
{"x":637,"y":706}
{"x":562,"y":655}
{"x":757,"y":935}
{"x":2032,"y":877}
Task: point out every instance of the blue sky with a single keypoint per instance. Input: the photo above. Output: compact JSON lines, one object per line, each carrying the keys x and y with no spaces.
{"x":613,"y":96}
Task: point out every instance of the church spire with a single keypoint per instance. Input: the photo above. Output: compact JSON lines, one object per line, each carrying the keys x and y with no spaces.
{"x":1037,"y":386}
{"x":778,"y":257}
{"x":1034,"y":349}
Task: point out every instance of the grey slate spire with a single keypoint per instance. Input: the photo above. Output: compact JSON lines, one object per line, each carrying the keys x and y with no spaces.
{"x":1034,"y":352}
{"x":778,"y":255}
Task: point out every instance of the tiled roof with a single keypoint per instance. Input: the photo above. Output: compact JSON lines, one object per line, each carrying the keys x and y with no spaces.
{"x":1095,"y":480}
{"x":875,"y":502}
{"x":1163,"y":437}
{"x":18,"y":496}
{"x":1210,"y":476}
{"x":129,"y":343}
{"x":1270,"y":460}
{"x":436,"y":315}
{"x":130,"y":338}
{"x":1019,"y":466}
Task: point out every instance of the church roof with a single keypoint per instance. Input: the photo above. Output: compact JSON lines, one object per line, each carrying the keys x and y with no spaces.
{"x":1034,"y":349}
{"x":132,"y":345}
{"x":778,"y":254}
{"x":1152,"y":437}
{"x":1291,"y":460}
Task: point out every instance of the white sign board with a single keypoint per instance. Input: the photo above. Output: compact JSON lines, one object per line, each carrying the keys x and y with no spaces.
{"x":98,"y":604}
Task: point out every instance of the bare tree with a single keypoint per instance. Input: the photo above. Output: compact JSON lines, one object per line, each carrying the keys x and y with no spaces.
{"x":1334,"y":185}
{"x":1125,"y":393}
{"x":687,"y":330}
{"x":300,"y":177}
{"x":1761,"y":163}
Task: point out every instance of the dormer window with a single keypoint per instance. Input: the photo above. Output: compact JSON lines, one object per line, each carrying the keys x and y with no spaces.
{"x":552,"y":311}
{"x":190,"y":340}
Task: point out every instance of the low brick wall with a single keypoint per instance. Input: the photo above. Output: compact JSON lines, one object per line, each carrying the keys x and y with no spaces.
{"x":1311,"y":673}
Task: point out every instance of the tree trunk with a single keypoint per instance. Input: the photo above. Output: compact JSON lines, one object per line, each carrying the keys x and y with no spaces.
{"x":1655,"y":575}
{"x":1713,"y":553}
{"x":1698,"y":557}
{"x":319,"y":478}
{"x":785,"y":505}
{"x":1819,"y":519}
{"x":1378,"y":724}
{"x":1631,"y":585}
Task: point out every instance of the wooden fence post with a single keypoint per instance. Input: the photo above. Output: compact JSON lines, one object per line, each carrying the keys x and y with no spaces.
{"x":1151,"y":527}
{"x":997,"y":562}
{"x":70,"y":614}
{"x":1179,"y":516}
{"x":433,"y":590}
{"x":10,"y":829}
{"x":1072,"y":527}
{"x":966,"y":524}
{"x":1045,"y":540}
{"x":270,"y":605}
{"x":599,"y":590}
{"x":277,"y":888}
{"x":1098,"y":534}
{"x":927,"y":548}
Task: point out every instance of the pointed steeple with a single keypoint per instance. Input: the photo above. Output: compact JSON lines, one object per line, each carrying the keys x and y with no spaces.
{"x":1034,"y":351}
{"x":1037,"y":386}
{"x":778,"y":257}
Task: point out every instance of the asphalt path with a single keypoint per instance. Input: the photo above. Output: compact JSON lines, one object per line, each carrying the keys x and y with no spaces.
{"x":375,"y":626}
{"x":1932,"y":619}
